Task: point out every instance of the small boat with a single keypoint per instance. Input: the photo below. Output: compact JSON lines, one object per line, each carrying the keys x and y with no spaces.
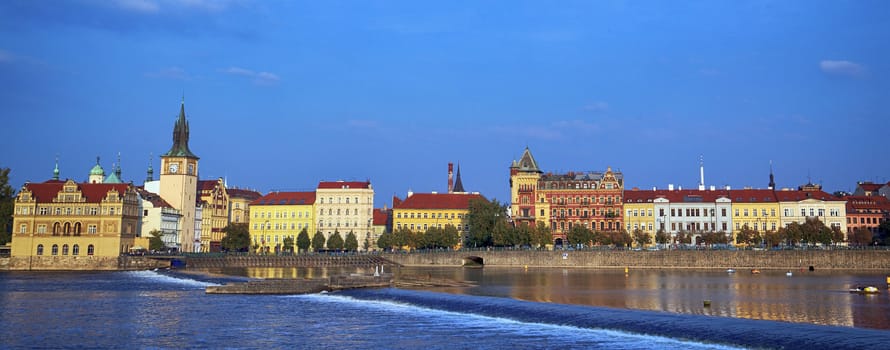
{"x":730,"y":270}
{"x":788,"y":274}
{"x":755,"y":271}
{"x":865,"y":290}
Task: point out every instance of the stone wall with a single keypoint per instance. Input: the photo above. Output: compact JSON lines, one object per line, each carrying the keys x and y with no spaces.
{"x":84,"y":263}
{"x":819,"y":259}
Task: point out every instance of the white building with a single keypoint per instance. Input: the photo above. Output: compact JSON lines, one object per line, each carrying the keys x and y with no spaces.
{"x":344,"y":206}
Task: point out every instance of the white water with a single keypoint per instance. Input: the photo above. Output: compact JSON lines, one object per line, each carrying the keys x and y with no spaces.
{"x":154,"y":276}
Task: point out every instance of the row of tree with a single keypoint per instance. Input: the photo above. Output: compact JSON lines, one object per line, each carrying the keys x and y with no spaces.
{"x":237,"y":239}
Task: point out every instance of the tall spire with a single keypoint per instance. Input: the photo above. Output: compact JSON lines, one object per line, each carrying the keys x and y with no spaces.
{"x":772,"y":180}
{"x":458,"y":185}
{"x":117,"y":171}
{"x":56,"y":170}
{"x":150,"y":174}
{"x":180,"y":146}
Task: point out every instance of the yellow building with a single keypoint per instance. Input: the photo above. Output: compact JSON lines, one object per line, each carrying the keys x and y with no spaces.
{"x":810,"y":202}
{"x":345,"y":206}
{"x":639,"y":213}
{"x":279,"y":215}
{"x":422,"y":211}
{"x":215,"y":214}
{"x":526,"y":206}
{"x":64,"y":225}
{"x":239,"y":204}
{"x":755,"y":209}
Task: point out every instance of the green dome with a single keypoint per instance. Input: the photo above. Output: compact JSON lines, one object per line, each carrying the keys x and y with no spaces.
{"x":97,"y":170}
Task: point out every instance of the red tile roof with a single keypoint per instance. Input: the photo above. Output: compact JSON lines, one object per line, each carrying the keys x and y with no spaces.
{"x":795,"y":196}
{"x":242,"y":193}
{"x":867,"y":202}
{"x":207,"y":185}
{"x":870,"y":187}
{"x":286,"y":198}
{"x":344,"y":184}
{"x":154,"y":199}
{"x":93,"y":193}
{"x":438,"y":201}
{"x":644,"y":196}
{"x":381,"y":216}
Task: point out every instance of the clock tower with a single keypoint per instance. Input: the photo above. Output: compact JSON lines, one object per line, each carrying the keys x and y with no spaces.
{"x":179,"y":181}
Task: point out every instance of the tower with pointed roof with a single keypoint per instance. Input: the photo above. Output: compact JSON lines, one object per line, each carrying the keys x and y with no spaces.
{"x":97,"y":174}
{"x":56,"y":170}
{"x":179,"y":180}
{"x":524,"y":176}
{"x":458,"y":184}
{"x":772,"y":180}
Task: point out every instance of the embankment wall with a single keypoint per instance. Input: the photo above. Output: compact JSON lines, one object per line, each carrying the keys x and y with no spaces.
{"x":819,"y":259}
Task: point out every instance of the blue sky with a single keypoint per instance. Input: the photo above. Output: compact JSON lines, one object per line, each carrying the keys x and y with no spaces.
{"x":282,"y":94}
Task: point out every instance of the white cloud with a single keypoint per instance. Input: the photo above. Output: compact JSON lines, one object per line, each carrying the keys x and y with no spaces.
{"x":842,"y":68}
{"x":258,"y":78}
{"x":597,"y":106}
{"x":174,"y":73}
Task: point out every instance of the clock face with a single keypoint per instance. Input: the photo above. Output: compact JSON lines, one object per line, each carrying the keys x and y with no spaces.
{"x":174,"y":167}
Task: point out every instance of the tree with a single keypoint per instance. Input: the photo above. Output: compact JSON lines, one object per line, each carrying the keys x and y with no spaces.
{"x":288,"y":244}
{"x":237,"y":237}
{"x":351,"y":243}
{"x":540,"y":236}
{"x":318,"y":241}
{"x":450,"y":236}
{"x":385,"y":241}
{"x":335,"y":242}
{"x":579,"y":235}
{"x":683,"y":237}
{"x":836,"y":235}
{"x":791,"y":234}
{"x":303,"y":241}
{"x":482,"y":217}
{"x":746,"y":236}
{"x":662,"y":237}
{"x":861,"y":237}
{"x":642,"y":238}
{"x":773,"y":238}
{"x":402,"y":238}
{"x":367,"y":243}
{"x":7,"y":203}
{"x":154,"y":240}
{"x":620,"y":238}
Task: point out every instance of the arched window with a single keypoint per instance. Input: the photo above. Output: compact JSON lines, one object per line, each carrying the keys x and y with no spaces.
{"x":55,"y":249}
{"x":57,"y":229}
{"x":91,"y":250}
{"x":75,"y":250}
{"x":64,"y":249}
{"x":40,"y":249}
{"x":77,"y":229}
{"x":67,"y":230}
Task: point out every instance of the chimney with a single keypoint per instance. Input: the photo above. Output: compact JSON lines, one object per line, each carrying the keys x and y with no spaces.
{"x":670,"y":187}
{"x":701,"y":183}
{"x":450,"y":177}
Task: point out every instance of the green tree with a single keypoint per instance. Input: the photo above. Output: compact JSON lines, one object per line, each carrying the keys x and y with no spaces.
{"x":482,"y":217}
{"x":237,"y":237}
{"x":642,"y":238}
{"x":773,"y":238}
{"x":288,"y":244}
{"x":303,"y":241}
{"x":579,"y":235}
{"x":450,"y":236}
{"x":683,"y":237}
{"x":662,"y":237}
{"x":402,"y":238}
{"x":836,"y":235}
{"x":154,"y":240}
{"x":746,"y":236}
{"x":7,"y":203}
{"x":367,"y":243}
{"x":861,"y":237}
{"x":335,"y":242}
{"x":540,"y":235}
{"x":385,"y":241}
{"x":318,"y":241}
{"x":351,"y":243}
{"x":620,"y":238}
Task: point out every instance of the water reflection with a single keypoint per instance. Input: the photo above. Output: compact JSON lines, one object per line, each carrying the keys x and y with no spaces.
{"x":806,"y":297}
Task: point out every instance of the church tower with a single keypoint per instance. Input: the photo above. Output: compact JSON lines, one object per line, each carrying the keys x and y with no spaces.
{"x":179,"y":180}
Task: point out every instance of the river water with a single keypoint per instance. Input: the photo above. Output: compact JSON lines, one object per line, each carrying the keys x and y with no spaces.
{"x":509,"y":308}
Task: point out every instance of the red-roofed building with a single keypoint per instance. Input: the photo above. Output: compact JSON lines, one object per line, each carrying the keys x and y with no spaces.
{"x":214,"y":201}
{"x":280,"y":215}
{"x":343,"y":207}
{"x":382,"y":223}
{"x":239,"y":204}
{"x":691,"y":212}
{"x":867,"y":189}
{"x":158,"y":215}
{"x":64,"y":225}
{"x":421,"y":211}
{"x":812,"y":203}
{"x":867,"y":212}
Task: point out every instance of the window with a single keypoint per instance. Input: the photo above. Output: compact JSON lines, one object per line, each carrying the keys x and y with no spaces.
{"x":772,"y":212}
{"x":803,"y":212}
{"x":55,"y":250}
{"x":23,"y":228}
{"x":91,"y":229}
{"x":41,"y":228}
{"x":94,"y":211}
{"x":746,"y":212}
{"x":65,"y":249}
{"x":40,"y":249}
{"x":91,"y":250}
{"x":821,"y":212}
{"x":43,"y":211}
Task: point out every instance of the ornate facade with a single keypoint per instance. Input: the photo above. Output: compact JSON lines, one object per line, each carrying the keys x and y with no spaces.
{"x":345,"y":206}
{"x":214,"y":200}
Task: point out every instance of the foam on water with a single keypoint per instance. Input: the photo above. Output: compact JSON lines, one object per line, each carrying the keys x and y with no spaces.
{"x":612,"y":339}
{"x":155,"y":276}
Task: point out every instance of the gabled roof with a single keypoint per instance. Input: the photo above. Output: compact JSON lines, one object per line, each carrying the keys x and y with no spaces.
{"x":286,"y":198}
{"x":154,"y":199}
{"x":870,"y":187}
{"x":438,"y":201}
{"x":344,"y":184}
{"x":381,"y":216}
{"x":867,"y":202}
{"x":92,"y":193}
{"x":526,"y":162}
{"x":242,"y":193}
{"x":797,"y":196}
{"x":207,"y":185}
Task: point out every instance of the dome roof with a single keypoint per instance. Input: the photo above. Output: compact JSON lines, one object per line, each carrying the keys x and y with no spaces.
{"x":97,"y":170}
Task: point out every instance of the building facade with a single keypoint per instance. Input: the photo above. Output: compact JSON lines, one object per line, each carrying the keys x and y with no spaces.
{"x":345,"y":206}
{"x":810,"y":202}
{"x":239,"y":204}
{"x":65,"y":225}
{"x":422,"y":211}
{"x":215,"y":217}
{"x":280,"y":215}
{"x":561,"y":201}
{"x":866,"y":212}
{"x":158,"y":215}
